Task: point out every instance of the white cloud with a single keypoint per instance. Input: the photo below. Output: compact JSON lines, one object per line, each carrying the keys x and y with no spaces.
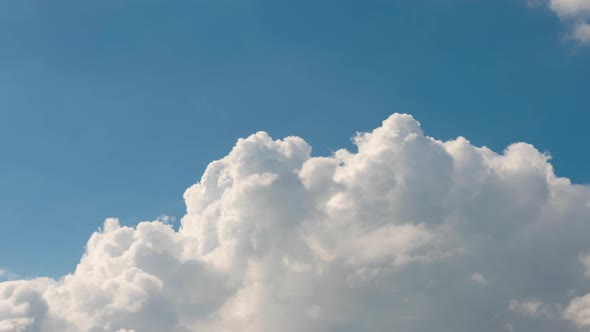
{"x":578,"y":311}
{"x":535,"y":308}
{"x":581,"y":32}
{"x":478,"y":278}
{"x":576,"y":14}
{"x":570,"y":7}
{"x":374,"y":240}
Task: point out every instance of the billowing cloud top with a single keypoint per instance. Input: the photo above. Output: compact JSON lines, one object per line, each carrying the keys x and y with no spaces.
{"x":407,"y":234}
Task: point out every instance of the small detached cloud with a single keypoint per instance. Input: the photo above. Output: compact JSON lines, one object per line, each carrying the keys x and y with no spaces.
{"x":377,"y":239}
{"x":478,"y":278}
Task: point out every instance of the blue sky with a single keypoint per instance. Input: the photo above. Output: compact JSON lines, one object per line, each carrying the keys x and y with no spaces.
{"x":112,"y":109}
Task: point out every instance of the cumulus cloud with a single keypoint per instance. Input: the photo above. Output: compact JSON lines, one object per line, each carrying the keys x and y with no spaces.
{"x":576,"y":14}
{"x":378,"y":239}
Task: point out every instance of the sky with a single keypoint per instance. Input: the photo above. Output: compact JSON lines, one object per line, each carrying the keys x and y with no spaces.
{"x":112,"y":109}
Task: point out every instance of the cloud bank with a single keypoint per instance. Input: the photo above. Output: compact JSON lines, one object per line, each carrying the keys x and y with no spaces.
{"x":408,"y":234}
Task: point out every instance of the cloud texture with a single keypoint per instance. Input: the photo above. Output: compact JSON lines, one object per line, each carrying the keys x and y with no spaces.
{"x":407,"y":234}
{"x":575,"y":13}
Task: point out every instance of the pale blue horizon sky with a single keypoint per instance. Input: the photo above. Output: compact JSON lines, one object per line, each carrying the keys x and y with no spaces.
{"x":111,"y":109}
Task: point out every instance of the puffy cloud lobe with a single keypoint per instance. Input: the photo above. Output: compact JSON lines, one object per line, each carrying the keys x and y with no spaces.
{"x":386,"y":238}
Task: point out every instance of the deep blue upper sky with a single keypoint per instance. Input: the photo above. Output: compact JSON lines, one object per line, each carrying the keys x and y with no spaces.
{"x":112,"y":108}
